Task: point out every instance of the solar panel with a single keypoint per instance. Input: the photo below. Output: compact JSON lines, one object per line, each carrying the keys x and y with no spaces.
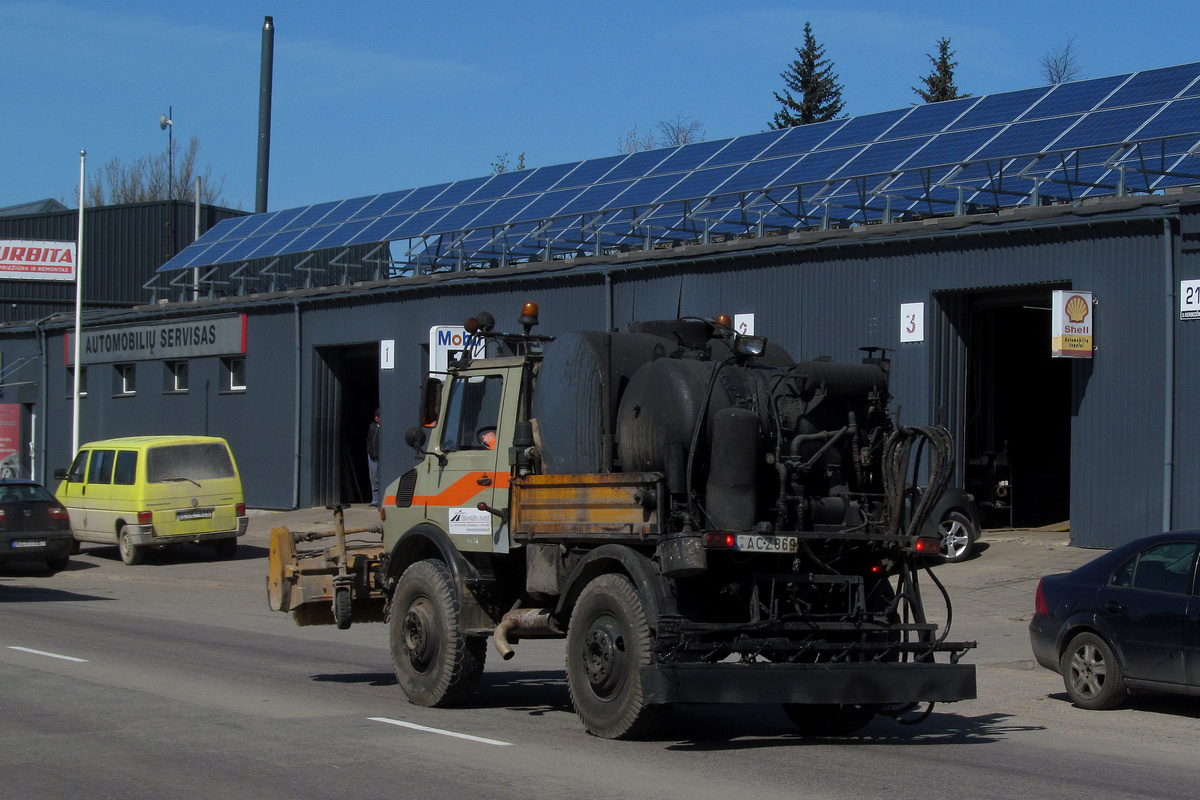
{"x":1075,"y":138}
{"x":1075,"y":98}
{"x":998,"y":109}
{"x":931,"y":117}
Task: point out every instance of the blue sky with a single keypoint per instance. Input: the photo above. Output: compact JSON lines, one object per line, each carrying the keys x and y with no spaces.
{"x":380,"y":96}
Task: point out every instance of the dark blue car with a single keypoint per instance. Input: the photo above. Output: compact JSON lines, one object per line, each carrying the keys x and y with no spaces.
{"x":34,"y":526}
{"x":1130,"y":619}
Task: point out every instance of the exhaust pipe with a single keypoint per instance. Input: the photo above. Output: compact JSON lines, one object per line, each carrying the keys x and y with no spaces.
{"x":523,"y":622}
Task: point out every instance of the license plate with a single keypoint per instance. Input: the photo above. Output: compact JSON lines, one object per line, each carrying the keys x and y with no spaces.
{"x":29,"y":543}
{"x":194,"y":513}
{"x":754,"y":543}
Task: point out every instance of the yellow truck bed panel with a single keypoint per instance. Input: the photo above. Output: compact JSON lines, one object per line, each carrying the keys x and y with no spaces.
{"x":567,"y":505}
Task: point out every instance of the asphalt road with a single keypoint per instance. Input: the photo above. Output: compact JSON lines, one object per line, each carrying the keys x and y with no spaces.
{"x":173,"y":680}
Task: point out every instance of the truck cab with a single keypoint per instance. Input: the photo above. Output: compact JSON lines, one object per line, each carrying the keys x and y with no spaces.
{"x":465,"y":463}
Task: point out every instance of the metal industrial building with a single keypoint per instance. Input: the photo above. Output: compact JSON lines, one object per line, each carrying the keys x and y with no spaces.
{"x":291,"y":376}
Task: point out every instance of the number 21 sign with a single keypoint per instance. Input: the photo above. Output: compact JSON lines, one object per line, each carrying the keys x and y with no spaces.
{"x":1189,"y":299}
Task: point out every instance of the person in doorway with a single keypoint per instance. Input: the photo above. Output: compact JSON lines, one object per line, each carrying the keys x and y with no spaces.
{"x":373,"y":459}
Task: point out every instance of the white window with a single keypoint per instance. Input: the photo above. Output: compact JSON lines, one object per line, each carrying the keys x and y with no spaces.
{"x":71,"y":382}
{"x":177,"y":376}
{"x":126,"y":379}
{"x":234,"y":369}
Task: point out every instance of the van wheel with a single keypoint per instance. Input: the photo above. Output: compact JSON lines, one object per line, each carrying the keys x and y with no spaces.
{"x":131,"y":553}
{"x":226,"y":548}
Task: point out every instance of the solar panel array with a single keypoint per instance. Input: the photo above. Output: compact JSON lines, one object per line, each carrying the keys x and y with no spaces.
{"x":1134,"y":132}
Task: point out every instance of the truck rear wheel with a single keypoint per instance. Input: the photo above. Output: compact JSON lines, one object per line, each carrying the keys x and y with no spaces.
{"x":829,"y":719}
{"x":608,"y":640}
{"x":436,"y":664}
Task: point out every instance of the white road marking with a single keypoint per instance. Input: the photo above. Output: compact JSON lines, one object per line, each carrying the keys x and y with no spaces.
{"x":51,"y":655}
{"x":442,"y":732}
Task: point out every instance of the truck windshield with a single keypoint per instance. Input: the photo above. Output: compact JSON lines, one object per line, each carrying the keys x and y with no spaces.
{"x":188,"y":461}
{"x":472,"y":413}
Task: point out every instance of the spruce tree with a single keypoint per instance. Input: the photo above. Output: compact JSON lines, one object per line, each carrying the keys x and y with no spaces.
{"x":812,"y":79}
{"x":939,"y":84}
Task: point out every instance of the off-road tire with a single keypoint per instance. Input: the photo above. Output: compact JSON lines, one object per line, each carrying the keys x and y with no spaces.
{"x":436,"y":665}
{"x":608,"y":640}
{"x":828,"y":719}
{"x":1090,"y":671}
{"x":131,"y":554}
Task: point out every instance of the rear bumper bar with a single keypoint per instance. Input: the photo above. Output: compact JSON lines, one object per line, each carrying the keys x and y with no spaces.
{"x":147,"y":535}
{"x":869,"y":683}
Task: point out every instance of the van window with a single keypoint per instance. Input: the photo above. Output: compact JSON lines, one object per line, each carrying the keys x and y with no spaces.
{"x":100,"y":470}
{"x":195,"y":461}
{"x":125,"y":473}
{"x":78,"y":467}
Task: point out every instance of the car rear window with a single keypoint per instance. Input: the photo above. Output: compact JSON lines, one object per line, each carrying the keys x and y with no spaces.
{"x":25,"y":493}
{"x":195,"y":461}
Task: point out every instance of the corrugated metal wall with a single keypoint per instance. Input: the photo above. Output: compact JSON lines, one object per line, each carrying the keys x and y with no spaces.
{"x":828,"y":299}
{"x":122,"y":247}
{"x":1185,"y":464}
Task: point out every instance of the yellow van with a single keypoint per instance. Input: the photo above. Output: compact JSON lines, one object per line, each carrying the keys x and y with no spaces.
{"x":152,"y":491}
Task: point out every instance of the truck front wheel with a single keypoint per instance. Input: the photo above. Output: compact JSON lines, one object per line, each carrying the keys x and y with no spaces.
{"x":436,"y":664}
{"x":608,"y":640}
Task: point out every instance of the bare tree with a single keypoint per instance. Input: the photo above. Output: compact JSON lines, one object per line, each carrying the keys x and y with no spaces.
{"x":154,"y":177}
{"x":680,"y":129}
{"x":632,"y":143}
{"x":501,"y":165}
{"x":1062,"y":64}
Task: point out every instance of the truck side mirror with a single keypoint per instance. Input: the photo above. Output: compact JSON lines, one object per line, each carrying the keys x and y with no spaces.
{"x":60,"y":474}
{"x":414,"y":437}
{"x":431,"y":402}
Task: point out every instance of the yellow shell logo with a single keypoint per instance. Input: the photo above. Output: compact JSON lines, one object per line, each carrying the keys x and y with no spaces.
{"x":1077,"y":309}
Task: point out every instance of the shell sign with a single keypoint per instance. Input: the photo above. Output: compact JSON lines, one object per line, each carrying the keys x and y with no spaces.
{"x":1072,"y":332}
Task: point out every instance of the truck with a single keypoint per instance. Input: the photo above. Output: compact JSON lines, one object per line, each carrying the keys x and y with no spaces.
{"x":700,"y":517}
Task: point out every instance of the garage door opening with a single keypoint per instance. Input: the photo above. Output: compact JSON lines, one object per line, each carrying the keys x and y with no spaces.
{"x":1018,"y":410}
{"x":345,"y":396}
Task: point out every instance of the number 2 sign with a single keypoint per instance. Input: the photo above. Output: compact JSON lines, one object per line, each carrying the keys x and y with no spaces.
{"x":912,"y":322}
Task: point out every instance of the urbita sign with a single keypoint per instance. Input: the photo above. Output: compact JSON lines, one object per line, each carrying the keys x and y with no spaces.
{"x":1072,"y":324}
{"x":37,"y":261}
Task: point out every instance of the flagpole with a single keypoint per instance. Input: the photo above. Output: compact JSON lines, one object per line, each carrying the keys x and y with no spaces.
{"x":78,"y":310}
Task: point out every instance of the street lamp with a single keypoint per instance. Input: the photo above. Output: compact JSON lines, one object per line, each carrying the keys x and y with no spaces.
{"x":165,"y":122}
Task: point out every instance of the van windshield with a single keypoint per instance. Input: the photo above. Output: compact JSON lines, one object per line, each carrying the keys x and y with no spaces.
{"x":188,"y":462}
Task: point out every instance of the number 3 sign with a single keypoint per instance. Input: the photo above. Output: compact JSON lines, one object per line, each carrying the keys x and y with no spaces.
{"x":912,"y":322}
